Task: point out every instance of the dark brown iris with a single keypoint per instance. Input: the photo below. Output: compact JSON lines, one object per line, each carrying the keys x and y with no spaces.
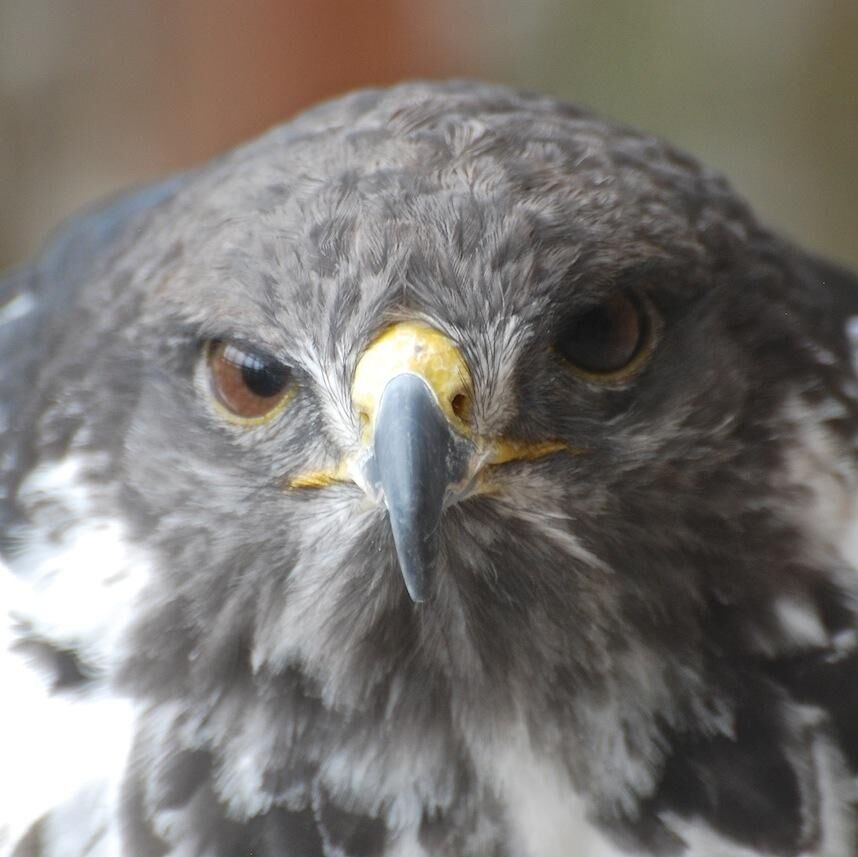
{"x":605,"y":339}
{"x":247,"y":382}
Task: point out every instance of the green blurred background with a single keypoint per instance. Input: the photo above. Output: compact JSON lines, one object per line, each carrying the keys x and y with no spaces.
{"x":96,"y":95}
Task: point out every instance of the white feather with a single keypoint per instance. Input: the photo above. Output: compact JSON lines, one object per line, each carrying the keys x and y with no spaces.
{"x":80,"y":570}
{"x":19,"y":306}
{"x":72,"y":585}
{"x":546,"y":816}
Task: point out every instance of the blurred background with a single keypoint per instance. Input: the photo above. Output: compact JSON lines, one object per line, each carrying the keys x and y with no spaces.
{"x":96,"y":95}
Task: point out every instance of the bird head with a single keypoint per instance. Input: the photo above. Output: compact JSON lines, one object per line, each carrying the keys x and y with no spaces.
{"x":452,"y":391}
{"x":439,"y":420}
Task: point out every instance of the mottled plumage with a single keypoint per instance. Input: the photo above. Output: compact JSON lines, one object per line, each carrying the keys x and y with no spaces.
{"x":640,"y":640}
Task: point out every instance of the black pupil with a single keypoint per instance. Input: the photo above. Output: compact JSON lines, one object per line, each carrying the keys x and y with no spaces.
{"x":263,"y":376}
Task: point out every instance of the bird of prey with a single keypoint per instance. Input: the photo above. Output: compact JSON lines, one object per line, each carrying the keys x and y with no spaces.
{"x":448,"y":473}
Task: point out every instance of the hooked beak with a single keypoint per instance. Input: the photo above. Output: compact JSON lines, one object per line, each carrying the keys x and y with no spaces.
{"x":412,"y":389}
{"x":412,"y":392}
{"x":416,"y":457}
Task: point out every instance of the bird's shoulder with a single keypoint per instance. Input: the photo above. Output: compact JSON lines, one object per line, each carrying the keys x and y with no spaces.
{"x":38,"y":309}
{"x":61,"y":556}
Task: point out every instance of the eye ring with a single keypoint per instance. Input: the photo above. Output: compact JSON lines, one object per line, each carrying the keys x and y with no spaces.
{"x":611,"y":342}
{"x":247,"y":385}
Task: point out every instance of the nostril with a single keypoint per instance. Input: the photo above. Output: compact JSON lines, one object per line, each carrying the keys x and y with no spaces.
{"x":461,"y":405}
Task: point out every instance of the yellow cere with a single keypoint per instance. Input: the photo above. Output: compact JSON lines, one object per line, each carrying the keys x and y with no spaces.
{"x":411,"y":347}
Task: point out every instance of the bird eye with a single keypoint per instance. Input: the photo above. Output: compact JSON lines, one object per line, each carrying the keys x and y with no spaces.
{"x":250,"y":384}
{"x":611,"y":340}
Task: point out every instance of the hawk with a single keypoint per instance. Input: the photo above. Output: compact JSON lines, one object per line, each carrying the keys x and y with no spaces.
{"x":448,"y":472}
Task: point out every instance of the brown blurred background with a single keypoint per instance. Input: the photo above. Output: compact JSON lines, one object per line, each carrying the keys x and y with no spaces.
{"x":99,"y":94}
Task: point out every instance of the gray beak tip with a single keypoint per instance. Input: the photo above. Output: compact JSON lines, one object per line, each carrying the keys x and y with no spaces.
{"x":417,"y":596}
